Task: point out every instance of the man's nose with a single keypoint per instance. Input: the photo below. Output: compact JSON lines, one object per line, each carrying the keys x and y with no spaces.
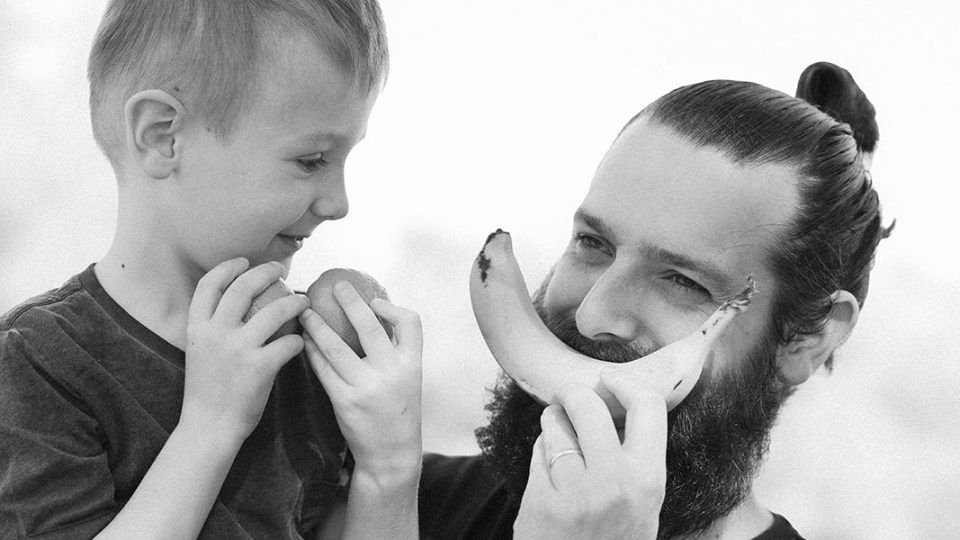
{"x":611,"y":309}
{"x":330,"y":201}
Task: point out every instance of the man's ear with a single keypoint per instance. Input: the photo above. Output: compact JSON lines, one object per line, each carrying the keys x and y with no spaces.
{"x":153,"y":123}
{"x":799,"y":359}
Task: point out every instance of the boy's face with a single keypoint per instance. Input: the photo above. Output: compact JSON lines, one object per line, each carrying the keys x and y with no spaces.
{"x":280,"y":173}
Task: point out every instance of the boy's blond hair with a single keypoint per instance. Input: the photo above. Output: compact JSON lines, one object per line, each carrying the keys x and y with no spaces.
{"x":208,"y":53}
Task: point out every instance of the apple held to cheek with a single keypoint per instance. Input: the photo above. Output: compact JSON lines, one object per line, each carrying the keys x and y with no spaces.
{"x":325,"y":304}
{"x":278,"y":289}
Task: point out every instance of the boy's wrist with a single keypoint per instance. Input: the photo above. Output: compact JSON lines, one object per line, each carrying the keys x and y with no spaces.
{"x":394,"y":478}
{"x":209,"y":435}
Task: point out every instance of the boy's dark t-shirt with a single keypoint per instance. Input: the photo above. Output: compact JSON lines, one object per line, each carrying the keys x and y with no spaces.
{"x":88,"y":396}
{"x":461,"y":499}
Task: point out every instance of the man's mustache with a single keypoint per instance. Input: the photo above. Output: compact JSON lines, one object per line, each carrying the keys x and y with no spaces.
{"x":565,"y":328}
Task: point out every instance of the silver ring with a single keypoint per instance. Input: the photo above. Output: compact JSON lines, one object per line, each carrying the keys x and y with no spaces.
{"x":560,"y":454}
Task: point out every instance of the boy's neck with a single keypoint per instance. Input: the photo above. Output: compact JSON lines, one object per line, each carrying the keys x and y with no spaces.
{"x":149,"y":285}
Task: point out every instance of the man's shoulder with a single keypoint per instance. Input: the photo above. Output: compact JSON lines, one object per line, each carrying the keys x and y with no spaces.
{"x":461,"y":498}
{"x":780,"y":530}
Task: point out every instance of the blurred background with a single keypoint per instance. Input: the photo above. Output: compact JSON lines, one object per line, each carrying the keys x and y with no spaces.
{"x":495,"y":115}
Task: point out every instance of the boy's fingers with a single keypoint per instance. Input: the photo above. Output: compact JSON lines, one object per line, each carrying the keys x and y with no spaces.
{"x":238,"y":296}
{"x":279,"y":351}
{"x":328,"y":376}
{"x":373,"y":338}
{"x":274,"y":315}
{"x":407,"y":326}
{"x":210,"y":288}
{"x":337,"y":353}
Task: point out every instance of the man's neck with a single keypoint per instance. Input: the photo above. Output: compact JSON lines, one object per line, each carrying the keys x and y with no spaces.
{"x":748,"y":520}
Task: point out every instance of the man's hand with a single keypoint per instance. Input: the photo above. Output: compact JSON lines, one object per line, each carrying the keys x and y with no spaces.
{"x":585,"y":483}
{"x":229,"y":370}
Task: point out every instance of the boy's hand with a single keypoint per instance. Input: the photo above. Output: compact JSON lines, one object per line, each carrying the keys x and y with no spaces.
{"x":376,"y":398}
{"x":229,"y":371}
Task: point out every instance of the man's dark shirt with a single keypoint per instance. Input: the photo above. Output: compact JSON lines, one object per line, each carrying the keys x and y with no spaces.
{"x":460,"y":498}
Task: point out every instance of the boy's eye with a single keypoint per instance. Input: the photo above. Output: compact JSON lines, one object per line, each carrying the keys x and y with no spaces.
{"x":311,"y":164}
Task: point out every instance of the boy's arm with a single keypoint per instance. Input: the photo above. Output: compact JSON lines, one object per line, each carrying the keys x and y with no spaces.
{"x":178,"y":491}
{"x":228,"y":376}
{"x":377,"y":403}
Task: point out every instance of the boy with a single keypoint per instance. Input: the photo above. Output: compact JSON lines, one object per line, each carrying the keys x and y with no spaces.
{"x":135,"y":401}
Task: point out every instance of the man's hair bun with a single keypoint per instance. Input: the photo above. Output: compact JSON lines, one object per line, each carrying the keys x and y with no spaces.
{"x":833,"y":90}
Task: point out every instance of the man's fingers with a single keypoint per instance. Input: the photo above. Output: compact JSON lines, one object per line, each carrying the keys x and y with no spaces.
{"x":645,"y":427}
{"x":407,"y":327}
{"x":328,"y":343}
{"x":238,"y":296}
{"x":210,"y":288}
{"x":593,"y":424}
{"x":539,"y":478}
{"x":561,"y":449}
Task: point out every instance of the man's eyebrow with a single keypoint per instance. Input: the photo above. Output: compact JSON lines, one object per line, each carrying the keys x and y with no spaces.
{"x":708,"y":270}
{"x":596,"y":224}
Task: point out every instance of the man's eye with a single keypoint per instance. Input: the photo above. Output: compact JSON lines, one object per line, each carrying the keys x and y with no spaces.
{"x":589,"y":242}
{"x":312,"y":164}
{"x":686,"y":284}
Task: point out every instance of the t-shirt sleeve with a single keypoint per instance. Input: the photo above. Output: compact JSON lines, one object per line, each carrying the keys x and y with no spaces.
{"x":55,"y":479}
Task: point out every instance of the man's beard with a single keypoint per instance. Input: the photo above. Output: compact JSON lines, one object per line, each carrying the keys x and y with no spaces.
{"x":716,"y":440}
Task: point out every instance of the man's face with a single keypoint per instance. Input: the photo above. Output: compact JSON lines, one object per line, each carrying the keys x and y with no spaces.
{"x":666,"y":232}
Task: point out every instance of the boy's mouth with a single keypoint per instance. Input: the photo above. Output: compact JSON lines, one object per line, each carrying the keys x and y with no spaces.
{"x":295,"y":241}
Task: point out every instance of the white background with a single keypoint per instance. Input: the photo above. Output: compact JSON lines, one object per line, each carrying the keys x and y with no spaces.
{"x":496,"y":115}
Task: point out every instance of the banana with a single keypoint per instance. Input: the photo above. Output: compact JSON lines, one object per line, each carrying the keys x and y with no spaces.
{"x":541,"y":364}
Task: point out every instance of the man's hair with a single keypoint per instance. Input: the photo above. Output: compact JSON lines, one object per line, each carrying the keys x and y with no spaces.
{"x":209,"y":53}
{"x":829,"y":244}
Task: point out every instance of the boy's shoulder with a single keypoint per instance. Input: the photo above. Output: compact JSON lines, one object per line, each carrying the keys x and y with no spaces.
{"x":43,"y":307}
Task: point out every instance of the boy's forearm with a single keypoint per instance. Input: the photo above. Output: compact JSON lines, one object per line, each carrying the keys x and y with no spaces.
{"x":382,"y":508}
{"x":175,"y":496}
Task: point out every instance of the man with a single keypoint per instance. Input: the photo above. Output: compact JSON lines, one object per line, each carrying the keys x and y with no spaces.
{"x":710,"y":184}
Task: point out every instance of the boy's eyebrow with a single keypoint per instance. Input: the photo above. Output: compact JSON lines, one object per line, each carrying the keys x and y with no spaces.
{"x":320,"y":137}
{"x":708,"y":270}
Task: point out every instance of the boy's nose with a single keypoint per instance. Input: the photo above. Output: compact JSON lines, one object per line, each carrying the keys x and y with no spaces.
{"x":611,"y":309}
{"x":331,"y":201}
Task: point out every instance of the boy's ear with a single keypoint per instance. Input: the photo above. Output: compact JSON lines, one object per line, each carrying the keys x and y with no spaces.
{"x":799,"y":359}
{"x":154,"y":120}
